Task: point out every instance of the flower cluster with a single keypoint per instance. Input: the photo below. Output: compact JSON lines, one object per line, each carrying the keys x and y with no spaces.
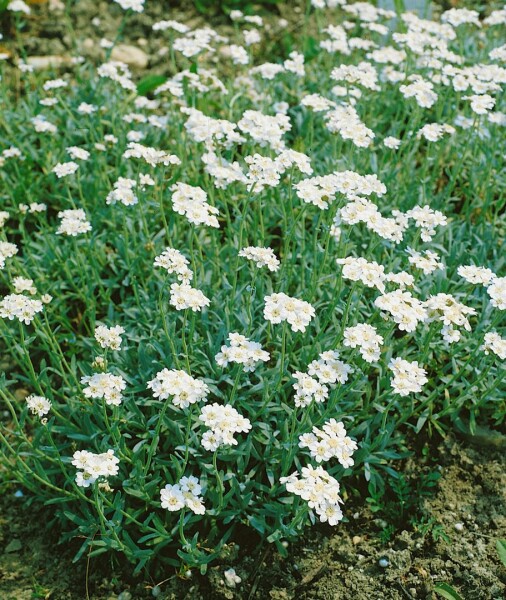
{"x":173,"y":261}
{"x":496,"y":286}
{"x":267,"y":131}
{"x":184,"y":388}
{"x":328,"y":369}
{"x":406,"y":310}
{"x":329,"y":442}
{"x":123,"y":192}
{"x":39,"y":405}
{"x":280,"y":307}
{"x":20,"y":307}
{"x":73,"y":222}
{"x":427,"y":261}
{"x":496,"y":344}
{"x":319,"y":489}
{"x":371,"y":274}
{"x":7,"y":250}
{"x":444,"y":308}
{"x":345,"y":120}
{"x":92,"y":466}
{"x":262,"y":257}
{"x":366,"y":338}
{"x":241,"y":351}
{"x":183,"y":297}
{"x":106,"y":386}
{"x":109,"y":337}
{"x":23,"y":284}
{"x":64,"y":169}
{"x":151,"y":156}
{"x":409,"y":377}
{"x":185,"y":493}
{"x":223,"y":422}
{"x":427,"y":220}
{"x":497,"y":292}
{"x":420,"y":89}
{"x":191,"y":202}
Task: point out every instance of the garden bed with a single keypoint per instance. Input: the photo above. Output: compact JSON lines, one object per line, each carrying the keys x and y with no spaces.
{"x":442,"y":511}
{"x":469,"y":508}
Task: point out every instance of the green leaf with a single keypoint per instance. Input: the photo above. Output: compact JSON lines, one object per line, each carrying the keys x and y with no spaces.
{"x":501,"y":550}
{"x":446,"y":591}
{"x":150,"y":83}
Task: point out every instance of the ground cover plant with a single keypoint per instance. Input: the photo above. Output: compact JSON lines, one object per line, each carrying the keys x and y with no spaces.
{"x":229,"y":296}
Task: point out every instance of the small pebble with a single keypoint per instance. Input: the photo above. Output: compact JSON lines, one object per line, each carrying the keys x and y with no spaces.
{"x":156,"y":591}
{"x":383,"y":563}
{"x":459,"y":526}
{"x":356,"y":540}
{"x":126,"y":595}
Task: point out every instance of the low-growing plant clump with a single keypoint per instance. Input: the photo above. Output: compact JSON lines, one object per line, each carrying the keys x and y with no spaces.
{"x":231,"y":297}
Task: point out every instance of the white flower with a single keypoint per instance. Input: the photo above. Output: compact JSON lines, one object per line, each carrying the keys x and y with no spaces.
{"x":184,"y":388}
{"x":392,"y":142}
{"x":22,"y":308}
{"x":319,"y":489}
{"x":73,"y":222}
{"x":41,"y":125}
{"x":135,"y":5}
{"x":106,"y":386}
{"x":86,"y":109}
{"x":262,"y":257}
{"x":23,"y":284}
{"x":182,"y":296}
{"x":152,"y":156}
{"x":94,"y":466}
{"x":427,"y":261}
{"x":366,"y":338}
{"x":186,"y":493}
{"x":406,"y":310}
{"x":173,"y":261}
{"x":172,"y":497}
{"x":123,"y":192}
{"x":223,"y":422}
{"x":497,"y":292}
{"x":64,"y":169}
{"x":18,"y":6}
{"x":7,"y":250}
{"x":78,"y":153}
{"x":481,"y":104}
{"x":39,"y":405}
{"x":329,"y":442}
{"x":496,"y":344}
{"x":242,"y":351}
{"x":280,"y":307}
{"x":109,"y":337}
{"x":409,"y":377}
{"x":191,"y":201}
